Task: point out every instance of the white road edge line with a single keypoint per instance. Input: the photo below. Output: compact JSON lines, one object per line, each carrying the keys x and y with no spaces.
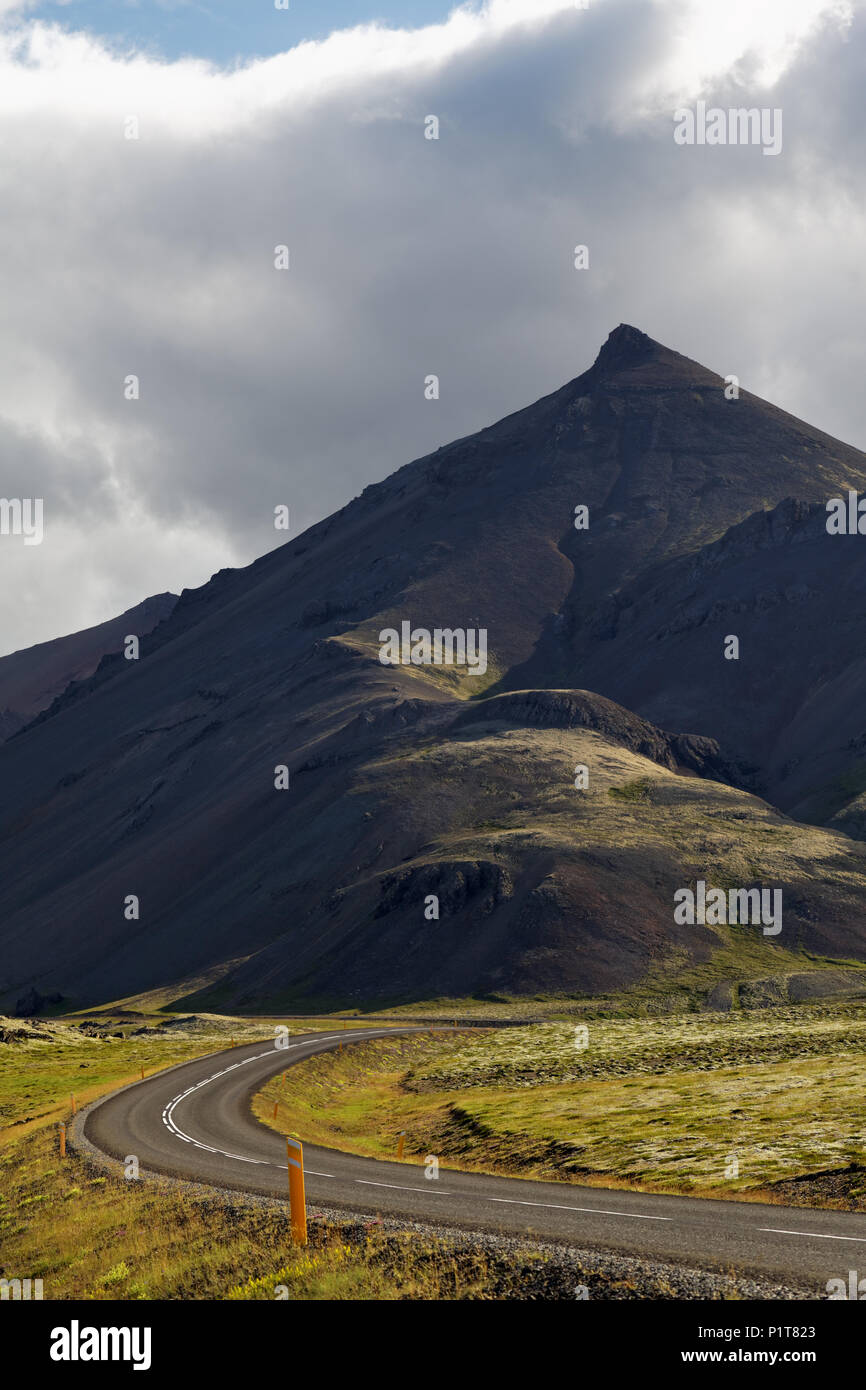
{"x":810,"y":1235}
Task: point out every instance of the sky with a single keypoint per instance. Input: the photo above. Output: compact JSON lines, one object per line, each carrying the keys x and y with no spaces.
{"x":225,"y":31}
{"x":153,"y":257}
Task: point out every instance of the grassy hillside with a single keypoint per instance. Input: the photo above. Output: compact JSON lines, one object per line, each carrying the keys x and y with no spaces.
{"x":545,"y":889}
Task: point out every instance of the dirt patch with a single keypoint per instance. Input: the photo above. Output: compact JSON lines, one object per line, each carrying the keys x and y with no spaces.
{"x":844,"y":1189}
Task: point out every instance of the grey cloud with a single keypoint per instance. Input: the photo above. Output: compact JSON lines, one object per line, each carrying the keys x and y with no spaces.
{"x":409,"y":257}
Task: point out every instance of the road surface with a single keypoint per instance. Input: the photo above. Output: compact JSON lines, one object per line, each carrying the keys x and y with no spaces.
{"x":194,"y":1122}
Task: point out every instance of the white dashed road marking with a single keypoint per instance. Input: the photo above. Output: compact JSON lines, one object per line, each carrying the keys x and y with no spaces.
{"x":557,"y":1206}
{"x":399,"y":1187}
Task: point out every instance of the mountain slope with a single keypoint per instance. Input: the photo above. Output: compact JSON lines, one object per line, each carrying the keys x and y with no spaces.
{"x":30,"y":680}
{"x":792,"y":704}
{"x":156,"y":778}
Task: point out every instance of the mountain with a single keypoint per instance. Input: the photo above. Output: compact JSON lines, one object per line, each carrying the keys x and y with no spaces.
{"x":792,"y":704}
{"x":30,"y":680}
{"x":156,"y":778}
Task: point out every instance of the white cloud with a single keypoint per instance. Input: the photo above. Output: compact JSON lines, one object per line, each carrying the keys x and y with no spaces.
{"x":155,"y":257}
{"x":18,"y":7}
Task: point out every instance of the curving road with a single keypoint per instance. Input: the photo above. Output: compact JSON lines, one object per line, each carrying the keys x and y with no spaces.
{"x":194,"y":1121}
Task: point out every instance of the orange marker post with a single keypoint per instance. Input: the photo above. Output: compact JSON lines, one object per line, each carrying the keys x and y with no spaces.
{"x":400,"y":1142}
{"x":276,"y":1108}
{"x":62,"y":1140}
{"x":297,"y":1200}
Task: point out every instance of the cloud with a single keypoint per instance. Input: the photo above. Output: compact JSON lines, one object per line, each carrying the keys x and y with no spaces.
{"x":9,"y":7}
{"x":155,"y":257}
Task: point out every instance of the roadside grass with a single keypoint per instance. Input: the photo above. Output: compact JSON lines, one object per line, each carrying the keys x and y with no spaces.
{"x":89,"y":1234}
{"x":718,"y":1105}
{"x":95,"y":1236}
{"x":99,"y":1237}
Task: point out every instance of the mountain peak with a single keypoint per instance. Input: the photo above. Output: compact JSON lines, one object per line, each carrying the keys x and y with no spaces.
{"x":626,"y":346}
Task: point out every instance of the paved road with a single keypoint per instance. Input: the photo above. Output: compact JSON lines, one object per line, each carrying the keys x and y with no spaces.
{"x":194,"y":1121}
